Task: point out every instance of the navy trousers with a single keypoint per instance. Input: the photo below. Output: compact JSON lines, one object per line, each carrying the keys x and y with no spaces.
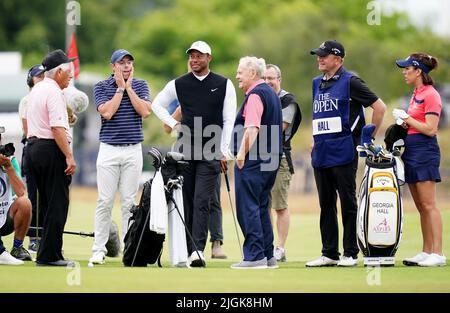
{"x":253,"y":188}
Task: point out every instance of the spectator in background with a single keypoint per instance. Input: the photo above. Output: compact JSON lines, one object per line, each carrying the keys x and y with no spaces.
{"x":35,"y":75}
{"x":122,"y":102}
{"x":292,"y":117}
{"x":422,"y":154}
{"x":50,"y":156}
{"x":15,"y":209}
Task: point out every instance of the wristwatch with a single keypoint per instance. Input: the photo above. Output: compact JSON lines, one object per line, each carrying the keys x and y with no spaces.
{"x":120,"y":90}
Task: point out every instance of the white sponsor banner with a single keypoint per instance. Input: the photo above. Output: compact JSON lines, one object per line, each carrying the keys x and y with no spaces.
{"x":329,"y":125}
{"x":382,"y":228}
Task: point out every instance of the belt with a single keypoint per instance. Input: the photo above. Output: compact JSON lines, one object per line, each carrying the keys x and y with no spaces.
{"x":122,"y":144}
{"x":33,"y":138}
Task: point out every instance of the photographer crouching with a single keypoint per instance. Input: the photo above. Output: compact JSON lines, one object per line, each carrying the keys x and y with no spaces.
{"x":15,"y":208}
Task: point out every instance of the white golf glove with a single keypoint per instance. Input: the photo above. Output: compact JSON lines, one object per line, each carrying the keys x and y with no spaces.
{"x":400,"y":114}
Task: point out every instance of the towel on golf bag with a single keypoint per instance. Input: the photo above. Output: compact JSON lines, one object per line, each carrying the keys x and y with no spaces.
{"x":142,"y":246}
{"x":158,"y":205}
{"x":177,"y":234}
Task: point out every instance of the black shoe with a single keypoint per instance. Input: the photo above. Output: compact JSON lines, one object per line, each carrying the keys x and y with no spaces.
{"x":198,"y":263}
{"x":21,"y":253}
{"x":66,"y":263}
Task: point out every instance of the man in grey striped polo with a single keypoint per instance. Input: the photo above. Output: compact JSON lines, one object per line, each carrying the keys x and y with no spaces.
{"x":122,"y":101}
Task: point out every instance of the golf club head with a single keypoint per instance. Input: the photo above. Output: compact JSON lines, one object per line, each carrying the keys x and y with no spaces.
{"x":362,"y":151}
{"x":157,"y":157}
{"x":393,"y":133}
{"x":398,"y":143}
{"x":175,"y":156}
{"x":366,"y":134}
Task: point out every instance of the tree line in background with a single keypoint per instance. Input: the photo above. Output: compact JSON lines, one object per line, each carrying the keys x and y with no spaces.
{"x":282,"y":32}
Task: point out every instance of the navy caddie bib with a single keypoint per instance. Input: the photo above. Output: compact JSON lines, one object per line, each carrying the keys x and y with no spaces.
{"x":333,"y":143}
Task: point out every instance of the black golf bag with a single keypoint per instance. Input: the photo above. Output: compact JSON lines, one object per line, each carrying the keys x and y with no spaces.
{"x":142,"y":246}
{"x":380,"y":210}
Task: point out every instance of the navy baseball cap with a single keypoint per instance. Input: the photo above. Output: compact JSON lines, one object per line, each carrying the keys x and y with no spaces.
{"x":329,"y":47}
{"x":55,"y":58}
{"x":119,"y":54}
{"x":34,"y":71}
{"x":409,"y":61}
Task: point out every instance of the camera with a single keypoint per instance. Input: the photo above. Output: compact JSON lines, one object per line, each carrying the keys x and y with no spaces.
{"x":7,"y":150}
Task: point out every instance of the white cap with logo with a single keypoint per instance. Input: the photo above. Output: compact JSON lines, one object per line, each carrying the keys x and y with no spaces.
{"x":200,"y":46}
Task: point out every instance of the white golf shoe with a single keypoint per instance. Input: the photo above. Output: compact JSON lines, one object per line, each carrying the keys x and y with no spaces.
{"x":97,"y":258}
{"x":347,"y":261}
{"x":414,"y":261}
{"x":197,"y":259}
{"x":322,"y":261}
{"x":8,"y":259}
{"x":434,"y":259}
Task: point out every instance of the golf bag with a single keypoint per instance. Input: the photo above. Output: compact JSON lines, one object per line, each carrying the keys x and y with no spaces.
{"x":142,"y":246}
{"x":146,"y":234}
{"x":380,"y":210}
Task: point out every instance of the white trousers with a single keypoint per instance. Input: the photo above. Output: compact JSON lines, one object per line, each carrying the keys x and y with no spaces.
{"x":118,"y":168}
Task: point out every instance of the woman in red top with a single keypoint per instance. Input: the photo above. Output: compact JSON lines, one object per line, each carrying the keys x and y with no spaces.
{"x":422,"y":154}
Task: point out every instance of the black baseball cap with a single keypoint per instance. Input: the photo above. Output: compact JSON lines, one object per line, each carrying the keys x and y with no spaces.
{"x":329,"y":47}
{"x":55,"y":58}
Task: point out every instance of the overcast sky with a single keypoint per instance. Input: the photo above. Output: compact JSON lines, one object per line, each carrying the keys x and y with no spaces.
{"x":434,"y":13}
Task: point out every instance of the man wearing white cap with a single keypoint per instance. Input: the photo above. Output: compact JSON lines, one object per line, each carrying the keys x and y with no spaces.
{"x":208,"y":106}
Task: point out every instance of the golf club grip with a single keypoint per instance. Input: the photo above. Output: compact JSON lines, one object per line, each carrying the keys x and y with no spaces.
{"x":227,"y":181}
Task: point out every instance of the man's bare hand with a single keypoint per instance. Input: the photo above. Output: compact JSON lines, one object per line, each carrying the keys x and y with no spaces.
{"x":71,"y":166}
{"x":129,"y":82}
{"x":118,"y":76}
{"x":5,"y":162}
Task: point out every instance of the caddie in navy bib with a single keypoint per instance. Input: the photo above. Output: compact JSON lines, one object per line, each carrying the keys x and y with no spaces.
{"x":332,"y":131}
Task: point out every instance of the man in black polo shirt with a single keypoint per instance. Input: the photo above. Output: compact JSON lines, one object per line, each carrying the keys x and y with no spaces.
{"x":339,"y":99}
{"x":208,"y":106}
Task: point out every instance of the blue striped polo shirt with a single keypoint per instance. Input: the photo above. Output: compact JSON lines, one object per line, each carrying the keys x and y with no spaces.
{"x":125,"y":127}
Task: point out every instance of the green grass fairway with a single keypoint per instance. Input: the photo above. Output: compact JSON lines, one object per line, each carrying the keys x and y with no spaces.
{"x":303,"y":245}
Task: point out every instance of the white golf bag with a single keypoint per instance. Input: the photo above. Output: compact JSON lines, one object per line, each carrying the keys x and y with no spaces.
{"x":380,"y":210}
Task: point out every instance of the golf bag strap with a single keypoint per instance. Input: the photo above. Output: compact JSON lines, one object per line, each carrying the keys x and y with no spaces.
{"x":288,"y":155}
{"x":159,"y":258}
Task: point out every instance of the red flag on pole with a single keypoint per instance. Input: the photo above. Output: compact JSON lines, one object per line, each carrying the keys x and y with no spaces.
{"x":72,"y":53}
